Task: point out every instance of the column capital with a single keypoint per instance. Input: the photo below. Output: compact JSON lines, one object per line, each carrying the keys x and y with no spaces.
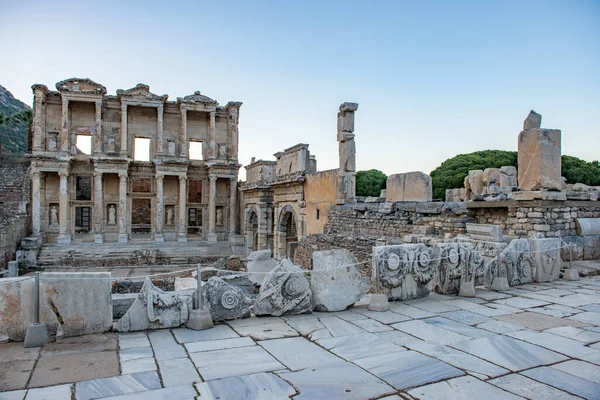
{"x":212,"y":178}
{"x":64,"y":100}
{"x":63,"y":173}
{"x":182,"y":178}
{"x":123,"y":106}
{"x":98,"y":173}
{"x":183,"y":110}
{"x":160,"y":107}
{"x":122,"y":175}
{"x":98,"y":103}
{"x":159,"y":177}
{"x":36,"y":174}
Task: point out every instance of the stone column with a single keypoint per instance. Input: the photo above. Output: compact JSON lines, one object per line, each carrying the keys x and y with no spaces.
{"x":159,"y":218}
{"x":64,"y":236}
{"x":183,"y":150}
{"x":123,"y":236}
{"x":64,"y":146}
{"x":124,"y":130}
{"x":233,"y":108}
{"x":212,"y":143}
{"x":98,"y":136}
{"x":98,"y":208}
{"x":212,"y":210}
{"x":39,"y":116}
{"x":263,"y":243}
{"x":232,"y":206}
{"x":182,"y":236}
{"x":347,"y":154}
{"x":159,"y":129}
{"x":301,"y":223}
{"x":36,"y":212}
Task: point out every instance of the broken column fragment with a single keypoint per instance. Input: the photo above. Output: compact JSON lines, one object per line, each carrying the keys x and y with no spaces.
{"x":347,"y":154}
{"x":226,"y":301}
{"x":259,"y":264}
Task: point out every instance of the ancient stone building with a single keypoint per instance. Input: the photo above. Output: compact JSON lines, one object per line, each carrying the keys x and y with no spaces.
{"x":134,"y":166}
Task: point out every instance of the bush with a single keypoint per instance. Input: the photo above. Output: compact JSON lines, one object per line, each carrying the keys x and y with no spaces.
{"x":370,"y":183}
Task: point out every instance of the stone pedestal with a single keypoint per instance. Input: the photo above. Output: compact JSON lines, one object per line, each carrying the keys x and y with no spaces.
{"x":211,"y":237}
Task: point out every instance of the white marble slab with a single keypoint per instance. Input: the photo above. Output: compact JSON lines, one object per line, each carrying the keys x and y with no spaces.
{"x":589,"y":317}
{"x":171,"y":393}
{"x":340,"y":381}
{"x":399,"y":338}
{"x":370,"y":325}
{"x":135,"y":353}
{"x":219,"y":364}
{"x":490,"y":295}
{"x":385,"y":317}
{"x":320,"y":334}
{"x":461,"y":304}
{"x":537,"y":321}
{"x":299,"y":353}
{"x":578,"y":334}
{"x":253,"y":321}
{"x":266,"y":331}
{"x":557,"y":310}
{"x":305,"y":324}
{"x":457,"y":327}
{"x":195,"y":347}
{"x":458,"y":359}
{"x":434,"y":306}
{"x":521,"y":302}
{"x":465,"y":387}
{"x":429,"y":332}
{"x":133,"y":340}
{"x":178,"y":372}
{"x":581,"y":369}
{"x":569,"y":347}
{"x":466,"y":317}
{"x":118,"y":385}
{"x":338,"y":327}
{"x":567,"y":382}
{"x":500,"y":326}
{"x":184,"y":335}
{"x":349,"y":315}
{"x":407,"y":369}
{"x":138,"y":365}
{"x":13,"y":395}
{"x":261,"y":386}
{"x":165,"y":347}
{"x":530,"y":389}
{"x":409,"y":311}
{"x":509,"y":353}
{"x":359,"y":346}
{"x":60,"y":392}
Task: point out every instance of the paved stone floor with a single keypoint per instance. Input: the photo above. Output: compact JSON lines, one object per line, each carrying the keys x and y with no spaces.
{"x":537,"y":341}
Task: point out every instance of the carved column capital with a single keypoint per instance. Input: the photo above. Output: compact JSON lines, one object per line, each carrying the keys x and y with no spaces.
{"x":63,"y":173}
{"x":123,"y":107}
{"x":182,"y":178}
{"x":212,"y":178}
{"x":122,"y":175}
{"x":160,"y":177}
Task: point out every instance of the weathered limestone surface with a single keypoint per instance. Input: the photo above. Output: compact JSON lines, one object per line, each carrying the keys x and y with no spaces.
{"x":347,"y":153}
{"x":285,"y":291}
{"x":539,"y":156}
{"x":546,"y":257}
{"x":485,"y":232}
{"x":334,"y":287}
{"x":154,"y":309}
{"x":16,"y":307}
{"x":226,"y":301}
{"x":410,"y":186}
{"x":259,"y":264}
{"x":458,"y":263}
{"x":405,"y":270}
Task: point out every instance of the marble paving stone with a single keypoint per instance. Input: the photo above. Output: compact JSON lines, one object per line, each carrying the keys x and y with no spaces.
{"x":170,"y":393}
{"x":539,"y":322}
{"x":298,"y":353}
{"x":577,"y":300}
{"x":530,"y":389}
{"x":13,"y":395}
{"x":138,"y":365}
{"x":338,"y":327}
{"x":409,"y":311}
{"x":490,"y":295}
{"x":458,"y":359}
{"x":521,"y":302}
{"x":500,"y":326}
{"x":195,"y":347}
{"x":219,"y":364}
{"x":370,"y":325}
{"x":60,"y":392}
{"x":581,"y":369}
{"x":133,"y":340}
{"x":320,"y":334}
{"x":556,"y":310}
{"x":340,"y":381}
{"x":465,"y":387}
{"x":434,"y":306}
{"x":466,"y":317}
{"x":429,"y":332}
{"x":348,"y":315}
{"x":591,"y":307}
{"x":595,"y":346}
{"x":261,"y":386}
{"x":578,"y":334}
{"x":509,"y":353}
{"x":118,"y":385}
{"x":55,"y":370}
{"x":184,"y":335}
{"x":385,"y":317}
{"x":493,"y":310}
{"x":359,"y":346}
{"x":408,"y":369}
{"x":567,"y":382}
{"x":165,"y":347}
{"x":241,"y":323}
{"x":15,"y":374}
{"x":305,"y":324}
{"x":569,"y":347}
{"x":555,"y":292}
{"x":457,"y":327}
{"x":588,"y":317}
{"x":267,"y":331}
{"x":397,"y":337}
{"x":135,"y":353}
{"x":461,"y":304}
{"x":394,"y":397}
{"x":81,"y":344}
{"x":178,"y":372}
{"x":14,"y":351}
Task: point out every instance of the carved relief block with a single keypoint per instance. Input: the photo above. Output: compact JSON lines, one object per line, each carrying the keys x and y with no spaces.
{"x":457,"y":262}
{"x":284,"y":291}
{"x":226,"y":301}
{"x":546,"y":257}
{"x":514,"y":263}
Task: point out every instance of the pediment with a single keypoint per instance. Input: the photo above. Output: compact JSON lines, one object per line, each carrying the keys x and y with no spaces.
{"x":80,"y":85}
{"x":197,"y":98}
{"x":141,"y":92}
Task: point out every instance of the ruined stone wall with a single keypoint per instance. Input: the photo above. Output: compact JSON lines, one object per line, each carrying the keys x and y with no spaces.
{"x":320,"y":192}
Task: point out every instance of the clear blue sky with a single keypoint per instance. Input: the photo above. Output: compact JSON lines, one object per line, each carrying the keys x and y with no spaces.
{"x":433,"y":78}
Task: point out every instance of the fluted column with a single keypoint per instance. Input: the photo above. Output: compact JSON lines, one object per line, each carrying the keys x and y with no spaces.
{"x":64,"y":236}
{"x":36,"y":206}
{"x":98,"y":135}
{"x":159,"y":219}
{"x":182,"y":236}
{"x":212,"y":211}
{"x":123,"y":236}
{"x":39,"y":116}
{"x":98,"y":208}
{"x":124,"y":130}
{"x":183,"y":149}
{"x":64,"y":140}
{"x":212,"y":136}
{"x":232,"y":206}
{"x":159,"y":129}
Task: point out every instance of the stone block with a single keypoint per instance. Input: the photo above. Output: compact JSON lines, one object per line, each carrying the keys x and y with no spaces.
{"x":13,"y":269}
{"x":474,"y":182}
{"x":571,"y":274}
{"x":514,"y":263}
{"x":336,"y":283}
{"x":259,"y":264}
{"x":423,"y":230}
{"x":533,"y":121}
{"x":458,"y":263}
{"x":485,"y":232}
{"x":226,"y":301}
{"x":284,"y":291}
{"x":379,"y":302}
{"x":121,"y":303}
{"x":410,"y":186}
{"x":591,"y":247}
{"x":587,"y":226}
{"x":429,"y":208}
{"x":527,"y":195}
{"x":539,"y":159}
{"x":546,"y":258}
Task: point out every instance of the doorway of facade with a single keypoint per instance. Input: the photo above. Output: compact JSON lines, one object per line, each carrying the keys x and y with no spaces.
{"x":141,"y":218}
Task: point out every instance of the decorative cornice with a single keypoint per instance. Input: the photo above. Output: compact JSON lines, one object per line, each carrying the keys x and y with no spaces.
{"x":80,"y":86}
{"x":141,"y":92}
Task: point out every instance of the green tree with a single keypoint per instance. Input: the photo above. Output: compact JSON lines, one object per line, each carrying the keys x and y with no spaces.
{"x":579,"y":171}
{"x":25,"y":117}
{"x":370,"y":183}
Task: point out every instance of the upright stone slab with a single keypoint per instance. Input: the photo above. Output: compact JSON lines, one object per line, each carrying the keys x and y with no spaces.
{"x":155,"y":309}
{"x":514,"y":263}
{"x":539,"y":156}
{"x":410,"y":186}
{"x":226,"y":301}
{"x":458,"y":262}
{"x":546,"y":257}
{"x":485,"y":232}
{"x":474,"y":183}
{"x":16,"y":306}
{"x":13,"y":269}
{"x":285,"y":291}
{"x":259,"y":264}
{"x":404,"y":270}
{"x":336,"y":282}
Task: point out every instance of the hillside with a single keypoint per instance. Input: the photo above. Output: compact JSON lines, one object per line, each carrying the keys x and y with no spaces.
{"x":13,"y":135}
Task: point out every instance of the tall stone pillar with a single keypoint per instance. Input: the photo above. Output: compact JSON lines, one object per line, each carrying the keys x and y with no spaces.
{"x":36,"y":212}
{"x":123,"y":131}
{"x":159,"y":218}
{"x":233,"y":109}
{"x":64,"y":140}
{"x":64,"y":234}
{"x":123,"y":236}
{"x":347,"y":149}
{"x":212,"y":209}
{"x":183,"y":150}
{"x":98,"y":133}
{"x":262,"y":226}
{"x":212,"y":136}
{"x":98,"y":209}
{"x":159,"y":129}
{"x":302,"y":223}
{"x":182,"y":235}
{"x":39,"y":116}
{"x":232,"y":206}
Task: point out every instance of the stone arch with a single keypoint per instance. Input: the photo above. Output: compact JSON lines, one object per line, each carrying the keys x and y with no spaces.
{"x":251,"y":222}
{"x":287,"y":232}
